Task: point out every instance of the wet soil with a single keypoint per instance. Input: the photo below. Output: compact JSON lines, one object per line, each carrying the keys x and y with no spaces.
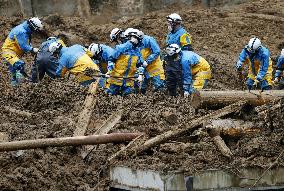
{"x":218,"y":35}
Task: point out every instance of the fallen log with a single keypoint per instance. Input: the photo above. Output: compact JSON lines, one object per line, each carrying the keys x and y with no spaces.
{"x":254,"y":98}
{"x":85,"y":115}
{"x":195,"y":123}
{"x":67,"y":141}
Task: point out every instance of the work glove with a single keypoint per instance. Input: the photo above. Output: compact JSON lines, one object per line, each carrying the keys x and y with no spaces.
{"x":35,"y":50}
{"x":140,"y":78}
{"x":239,"y":65}
{"x":186,"y":94}
{"x":19,"y":76}
{"x":145,"y":64}
{"x":255,"y":82}
{"x":276,"y":80}
{"x":107,"y":75}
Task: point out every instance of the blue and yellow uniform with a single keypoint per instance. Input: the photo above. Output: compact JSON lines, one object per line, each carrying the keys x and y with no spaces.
{"x":150,"y":51}
{"x":279,"y":72}
{"x":195,"y":69}
{"x":46,"y":62}
{"x":16,"y":44}
{"x":127,"y":58}
{"x":259,"y":67}
{"x":180,"y":37}
{"x":76,"y":60}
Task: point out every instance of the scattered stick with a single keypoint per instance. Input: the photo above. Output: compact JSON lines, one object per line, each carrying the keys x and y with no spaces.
{"x":67,"y":141}
{"x":195,"y":123}
{"x":272,"y":164}
{"x":85,"y":115}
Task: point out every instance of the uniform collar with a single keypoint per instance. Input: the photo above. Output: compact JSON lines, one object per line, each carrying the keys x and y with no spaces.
{"x":27,"y":27}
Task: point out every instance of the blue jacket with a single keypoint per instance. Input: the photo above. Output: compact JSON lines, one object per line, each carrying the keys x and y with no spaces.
{"x":69,"y":56}
{"x":151,"y":43}
{"x":262,"y":56}
{"x":188,"y":59}
{"x":21,"y":36}
{"x":43,"y":49}
{"x":179,"y":37}
{"x":107,"y":53}
{"x":127,"y":49}
{"x":279,"y":66}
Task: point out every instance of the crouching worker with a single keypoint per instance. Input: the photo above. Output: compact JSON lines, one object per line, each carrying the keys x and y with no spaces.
{"x":102,"y":56}
{"x":279,"y":80}
{"x":259,"y":65}
{"x":45,"y":61}
{"x":180,"y":68}
{"x":16,"y":44}
{"x":127,"y":59}
{"x":76,"y":60}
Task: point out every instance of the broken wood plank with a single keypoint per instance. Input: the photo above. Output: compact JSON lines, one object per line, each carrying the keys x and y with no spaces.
{"x":124,"y":149}
{"x":220,"y":143}
{"x":67,"y":141}
{"x":103,"y":129}
{"x":86,"y":113}
{"x":254,"y":97}
{"x":195,"y":123}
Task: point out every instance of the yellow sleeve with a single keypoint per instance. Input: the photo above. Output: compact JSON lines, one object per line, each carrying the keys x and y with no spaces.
{"x":185,"y":39}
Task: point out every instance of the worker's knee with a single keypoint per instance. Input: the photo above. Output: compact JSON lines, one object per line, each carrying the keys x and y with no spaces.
{"x":265,"y":85}
{"x":113,"y":89}
{"x":249,"y":83}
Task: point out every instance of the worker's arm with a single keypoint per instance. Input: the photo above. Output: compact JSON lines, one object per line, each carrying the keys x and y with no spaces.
{"x":263,"y":68}
{"x":187,"y":76}
{"x":61,"y":66}
{"x":23,"y":41}
{"x":242,"y":59}
{"x":155,"y":49}
{"x":119,"y":49}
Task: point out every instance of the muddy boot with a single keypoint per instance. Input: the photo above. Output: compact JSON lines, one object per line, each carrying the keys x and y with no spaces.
{"x":195,"y":99}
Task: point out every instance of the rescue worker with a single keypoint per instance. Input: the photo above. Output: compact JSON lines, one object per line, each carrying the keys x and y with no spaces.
{"x":279,"y":80}
{"x":117,"y":36}
{"x":153,"y":65}
{"x":127,"y":59}
{"x":76,"y":60}
{"x":16,"y":44}
{"x":45,"y":62}
{"x":259,"y":65}
{"x":102,"y":56}
{"x":177,"y":34}
{"x":185,"y":69}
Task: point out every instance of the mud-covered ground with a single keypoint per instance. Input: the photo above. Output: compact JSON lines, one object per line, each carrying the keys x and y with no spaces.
{"x":218,"y":35}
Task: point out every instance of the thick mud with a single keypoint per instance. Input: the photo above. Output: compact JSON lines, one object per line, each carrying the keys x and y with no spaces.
{"x":218,"y":35}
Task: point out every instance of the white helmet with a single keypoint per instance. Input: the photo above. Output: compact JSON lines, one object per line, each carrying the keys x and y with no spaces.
{"x":95,"y":49}
{"x":174,"y":18}
{"x":282,"y":52}
{"x":55,"y":46}
{"x":253,"y":45}
{"x":115,"y":33}
{"x":172,"y":49}
{"x":35,"y":24}
{"x":127,"y":31}
{"x":136,"y":33}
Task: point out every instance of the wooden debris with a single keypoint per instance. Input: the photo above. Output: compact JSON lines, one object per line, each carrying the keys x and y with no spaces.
{"x":219,"y":142}
{"x":67,"y":141}
{"x":85,"y":115}
{"x":254,"y":97}
{"x":3,"y":137}
{"x":195,"y":123}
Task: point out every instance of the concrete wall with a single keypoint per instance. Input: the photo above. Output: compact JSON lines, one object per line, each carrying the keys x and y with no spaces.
{"x":96,"y":7}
